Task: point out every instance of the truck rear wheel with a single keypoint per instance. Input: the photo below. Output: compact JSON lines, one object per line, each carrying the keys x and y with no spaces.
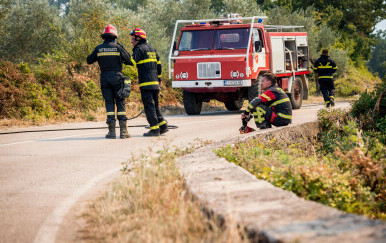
{"x":296,"y":95}
{"x":234,"y":105}
{"x":192,"y":103}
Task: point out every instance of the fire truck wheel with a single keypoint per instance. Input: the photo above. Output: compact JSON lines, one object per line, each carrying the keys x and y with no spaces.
{"x":234,"y":105}
{"x":192,"y":103}
{"x":296,"y":95}
{"x":254,"y":90}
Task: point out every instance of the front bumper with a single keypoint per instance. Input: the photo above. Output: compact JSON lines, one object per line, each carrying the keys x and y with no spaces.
{"x":212,"y":83}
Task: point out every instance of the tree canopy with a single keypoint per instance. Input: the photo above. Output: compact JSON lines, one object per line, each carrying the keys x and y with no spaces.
{"x":71,"y":28}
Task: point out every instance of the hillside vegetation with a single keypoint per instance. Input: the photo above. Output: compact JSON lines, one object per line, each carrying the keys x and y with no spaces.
{"x":345,"y":168}
{"x":44,"y":44}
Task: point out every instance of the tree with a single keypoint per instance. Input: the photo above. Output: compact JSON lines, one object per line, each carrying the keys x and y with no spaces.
{"x":377,"y":61}
{"x":354,"y":19}
{"x":30,"y":29}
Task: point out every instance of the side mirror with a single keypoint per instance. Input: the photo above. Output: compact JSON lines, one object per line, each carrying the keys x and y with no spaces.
{"x":174,"y":46}
{"x":258,"y":46}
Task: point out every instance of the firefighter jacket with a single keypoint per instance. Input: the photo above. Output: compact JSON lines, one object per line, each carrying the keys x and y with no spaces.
{"x":276,"y":99}
{"x":110,"y":56}
{"x":325,"y":67}
{"x":148,"y":64}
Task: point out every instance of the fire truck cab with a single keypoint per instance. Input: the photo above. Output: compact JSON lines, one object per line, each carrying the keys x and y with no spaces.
{"x":223,"y":59}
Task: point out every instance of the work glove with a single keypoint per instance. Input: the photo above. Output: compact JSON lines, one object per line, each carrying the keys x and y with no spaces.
{"x":246,"y":115}
{"x":124,"y":91}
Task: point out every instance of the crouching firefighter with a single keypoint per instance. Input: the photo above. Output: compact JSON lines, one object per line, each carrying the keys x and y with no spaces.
{"x":271,"y":107}
{"x":110,"y":56}
{"x":149,"y":75}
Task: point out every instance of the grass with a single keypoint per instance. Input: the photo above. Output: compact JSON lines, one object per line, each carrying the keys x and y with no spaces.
{"x":150,"y":203}
{"x":340,"y":170}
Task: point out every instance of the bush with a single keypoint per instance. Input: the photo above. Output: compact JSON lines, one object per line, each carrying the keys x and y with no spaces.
{"x":370,"y":110}
{"x":347,"y":172}
{"x":356,"y":81}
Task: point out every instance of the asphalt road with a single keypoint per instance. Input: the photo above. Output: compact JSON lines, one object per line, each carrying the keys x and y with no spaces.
{"x":44,"y":174}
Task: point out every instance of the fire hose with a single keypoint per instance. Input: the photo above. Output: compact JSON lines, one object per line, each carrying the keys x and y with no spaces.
{"x":85,"y":128}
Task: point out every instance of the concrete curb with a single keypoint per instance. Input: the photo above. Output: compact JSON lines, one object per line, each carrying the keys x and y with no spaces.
{"x":270,"y":214}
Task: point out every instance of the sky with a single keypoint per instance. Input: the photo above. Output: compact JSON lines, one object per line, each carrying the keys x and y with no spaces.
{"x":381,"y":25}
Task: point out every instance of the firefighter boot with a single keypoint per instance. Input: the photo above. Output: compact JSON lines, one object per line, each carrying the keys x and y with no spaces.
{"x":123,"y":130}
{"x":152,"y":133}
{"x":111,"y":133}
{"x":332,"y":101}
{"x":163,"y":128}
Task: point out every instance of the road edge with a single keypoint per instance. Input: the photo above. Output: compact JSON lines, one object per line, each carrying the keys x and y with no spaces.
{"x":268,"y":213}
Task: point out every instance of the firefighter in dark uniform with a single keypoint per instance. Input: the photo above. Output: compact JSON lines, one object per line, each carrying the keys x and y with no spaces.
{"x":271,"y":107}
{"x":110,"y":56}
{"x":149,"y":75}
{"x":324,"y":67}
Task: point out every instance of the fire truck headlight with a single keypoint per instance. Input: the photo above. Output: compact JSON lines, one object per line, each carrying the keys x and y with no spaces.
{"x":241,"y":75}
{"x":235,"y":74}
{"x":176,"y":53}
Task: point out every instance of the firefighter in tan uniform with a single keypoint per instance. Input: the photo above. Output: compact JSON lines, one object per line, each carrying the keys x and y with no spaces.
{"x":271,"y":107}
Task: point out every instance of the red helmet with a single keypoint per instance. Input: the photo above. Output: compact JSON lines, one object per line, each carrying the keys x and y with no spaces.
{"x":139,"y":32}
{"x":110,"y":31}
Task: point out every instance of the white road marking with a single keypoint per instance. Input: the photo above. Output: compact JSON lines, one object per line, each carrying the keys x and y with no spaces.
{"x":47,"y":139}
{"x":47,"y":232}
{"x":85,"y":134}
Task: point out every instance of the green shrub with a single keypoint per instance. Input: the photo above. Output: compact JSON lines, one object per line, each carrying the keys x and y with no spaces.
{"x":356,"y":81}
{"x":370,"y":110}
{"x":347,"y":172}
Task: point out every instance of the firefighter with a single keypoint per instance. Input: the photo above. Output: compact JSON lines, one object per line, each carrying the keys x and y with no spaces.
{"x":271,"y":107}
{"x":324,"y":67}
{"x":147,"y":61}
{"x":110,"y":56}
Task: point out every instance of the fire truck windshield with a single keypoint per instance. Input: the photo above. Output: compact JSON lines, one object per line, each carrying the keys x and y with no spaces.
{"x":196,"y":40}
{"x":222,"y":39}
{"x":226,"y":39}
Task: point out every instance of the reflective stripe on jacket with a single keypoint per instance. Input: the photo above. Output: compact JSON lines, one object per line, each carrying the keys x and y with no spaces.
{"x":325,"y":67}
{"x":148,"y":65}
{"x":275,"y":98}
{"x":110,"y":56}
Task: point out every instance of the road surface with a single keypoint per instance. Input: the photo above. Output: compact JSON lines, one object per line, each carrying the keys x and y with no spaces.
{"x":44,"y":174}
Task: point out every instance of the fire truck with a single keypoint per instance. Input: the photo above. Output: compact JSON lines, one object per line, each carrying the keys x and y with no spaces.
{"x":223,"y":59}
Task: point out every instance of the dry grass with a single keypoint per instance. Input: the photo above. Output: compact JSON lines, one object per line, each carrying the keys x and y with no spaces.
{"x":150,"y":203}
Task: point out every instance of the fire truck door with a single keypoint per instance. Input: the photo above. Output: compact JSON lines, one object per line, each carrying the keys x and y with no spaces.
{"x":259,"y":59}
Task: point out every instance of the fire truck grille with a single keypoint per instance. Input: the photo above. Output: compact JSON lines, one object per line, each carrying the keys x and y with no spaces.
{"x":208,"y":70}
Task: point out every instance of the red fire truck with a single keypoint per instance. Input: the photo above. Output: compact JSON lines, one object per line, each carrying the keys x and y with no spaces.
{"x":223,"y":59}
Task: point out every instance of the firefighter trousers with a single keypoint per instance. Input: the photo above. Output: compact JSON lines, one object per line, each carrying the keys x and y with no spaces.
{"x":110,"y":84}
{"x":266,"y":115}
{"x":327,"y":87}
{"x":152,"y":111}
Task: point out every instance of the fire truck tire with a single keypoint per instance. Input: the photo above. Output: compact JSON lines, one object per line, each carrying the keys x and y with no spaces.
{"x":234,"y":105}
{"x":192,"y":103}
{"x":254,"y":90}
{"x":296,"y":95}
